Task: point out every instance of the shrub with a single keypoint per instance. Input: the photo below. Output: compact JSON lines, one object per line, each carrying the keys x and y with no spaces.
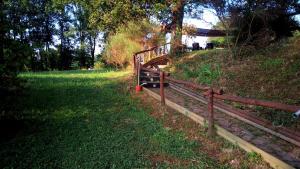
{"x":272,"y":63}
{"x":207,"y":73}
{"x":120,"y":49}
{"x":129,"y":39}
{"x":99,"y":65}
{"x":16,"y":55}
{"x":219,"y":42}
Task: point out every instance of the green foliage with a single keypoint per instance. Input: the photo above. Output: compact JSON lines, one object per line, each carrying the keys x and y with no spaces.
{"x":254,"y":157}
{"x":277,"y":117}
{"x":49,"y":59}
{"x":218,"y":42}
{"x":204,"y":73}
{"x":120,"y":50}
{"x":99,"y":65}
{"x":128,"y":40}
{"x":84,"y":119}
{"x":105,"y":15}
{"x":208,"y":74}
{"x":15,"y":56}
{"x":272,"y":63}
{"x":257,"y":27}
{"x":296,"y":33}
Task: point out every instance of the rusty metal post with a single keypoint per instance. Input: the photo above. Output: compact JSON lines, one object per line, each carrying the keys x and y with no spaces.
{"x":211,"y":113}
{"x":161,"y":86}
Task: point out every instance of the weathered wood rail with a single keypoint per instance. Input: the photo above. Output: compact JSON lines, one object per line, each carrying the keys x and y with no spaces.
{"x":213,"y":94}
{"x":248,"y":147}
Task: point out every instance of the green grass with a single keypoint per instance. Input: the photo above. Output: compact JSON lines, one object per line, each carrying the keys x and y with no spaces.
{"x":205,"y":73}
{"x":85,"y":119}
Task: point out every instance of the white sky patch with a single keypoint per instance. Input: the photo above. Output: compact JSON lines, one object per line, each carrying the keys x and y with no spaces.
{"x":99,"y":44}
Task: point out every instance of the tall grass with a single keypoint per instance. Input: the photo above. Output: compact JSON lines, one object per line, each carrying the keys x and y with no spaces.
{"x":204,"y":73}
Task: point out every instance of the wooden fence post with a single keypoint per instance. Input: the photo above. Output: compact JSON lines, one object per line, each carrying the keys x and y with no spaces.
{"x":139,"y":73}
{"x":161,"y":86}
{"x":134,"y":64}
{"x":211,"y":113}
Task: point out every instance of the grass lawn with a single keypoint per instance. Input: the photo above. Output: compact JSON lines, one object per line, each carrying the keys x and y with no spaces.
{"x":85,"y":119}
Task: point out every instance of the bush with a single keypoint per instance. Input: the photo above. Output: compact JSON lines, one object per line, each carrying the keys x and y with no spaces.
{"x":120,"y":49}
{"x":16,"y":55}
{"x":129,"y":39}
{"x":99,"y":65}
{"x":205,"y":73}
{"x":218,"y":42}
{"x":296,"y":33}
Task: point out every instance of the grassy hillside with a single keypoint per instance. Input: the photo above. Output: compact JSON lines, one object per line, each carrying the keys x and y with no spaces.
{"x":87,"y":119}
{"x":272,"y":73}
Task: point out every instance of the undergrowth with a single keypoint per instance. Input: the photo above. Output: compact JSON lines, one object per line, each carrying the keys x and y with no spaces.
{"x":272,"y":73}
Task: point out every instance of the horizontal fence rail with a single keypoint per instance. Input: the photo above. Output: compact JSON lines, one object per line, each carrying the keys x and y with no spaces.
{"x":209,"y":92}
{"x":256,"y":102}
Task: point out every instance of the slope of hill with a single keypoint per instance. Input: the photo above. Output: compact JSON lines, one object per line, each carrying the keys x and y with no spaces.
{"x":272,"y":74}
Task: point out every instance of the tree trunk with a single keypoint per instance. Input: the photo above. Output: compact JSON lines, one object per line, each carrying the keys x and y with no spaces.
{"x":92,"y":43}
{"x":82,"y":49}
{"x":93,"y":50}
{"x":62,"y":43}
{"x":176,"y":27}
{"x":1,"y":33}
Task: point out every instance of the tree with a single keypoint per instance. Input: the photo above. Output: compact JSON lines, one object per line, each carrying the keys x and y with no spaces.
{"x":253,"y":21}
{"x":176,"y":25}
{"x":62,"y":14}
{"x":171,"y":14}
{"x":2,"y":34}
{"x":92,"y":37}
{"x":87,"y":31}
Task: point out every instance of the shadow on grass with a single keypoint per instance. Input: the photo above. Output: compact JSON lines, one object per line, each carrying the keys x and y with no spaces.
{"x":57,"y":115}
{"x":76,"y":120}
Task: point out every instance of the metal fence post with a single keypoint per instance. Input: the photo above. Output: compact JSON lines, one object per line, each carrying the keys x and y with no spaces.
{"x":211,"y":113}
{"x":161,"y":86}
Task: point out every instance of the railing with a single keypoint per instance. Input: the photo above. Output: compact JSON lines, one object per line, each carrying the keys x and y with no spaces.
{"x":151,"y":53}
{"x":209,"y":92}
{"x":212,"y":94}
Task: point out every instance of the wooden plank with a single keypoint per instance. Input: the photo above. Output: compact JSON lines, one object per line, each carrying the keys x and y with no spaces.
{"x":273,"y":161}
